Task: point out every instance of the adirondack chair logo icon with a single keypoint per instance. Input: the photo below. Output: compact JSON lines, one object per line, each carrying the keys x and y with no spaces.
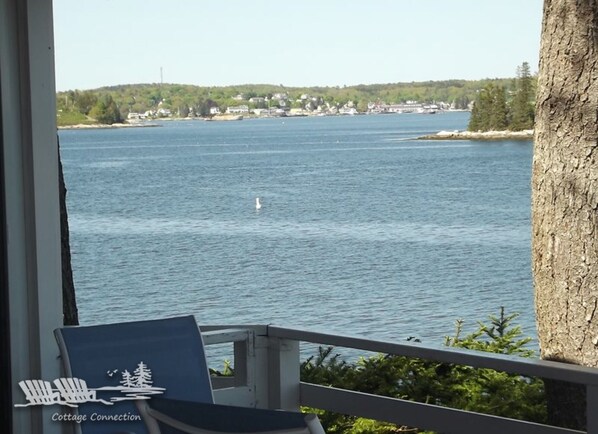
{"x":74,"y":391}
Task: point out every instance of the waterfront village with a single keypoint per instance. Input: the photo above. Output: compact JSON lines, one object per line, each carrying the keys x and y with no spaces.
{"x":280,"y":105}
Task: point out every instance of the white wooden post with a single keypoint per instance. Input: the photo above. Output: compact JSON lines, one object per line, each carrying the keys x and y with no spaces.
{"x":283,"y":374}
{"x":241,"y":389}
{"x":30,"y":189}
{"x":260,"y":379}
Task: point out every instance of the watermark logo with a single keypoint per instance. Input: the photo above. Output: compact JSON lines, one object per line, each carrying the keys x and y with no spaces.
{"x":74,"y":391}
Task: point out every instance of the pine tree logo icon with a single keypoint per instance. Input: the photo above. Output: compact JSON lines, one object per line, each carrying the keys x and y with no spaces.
{"x":136,"y":385}
{"x":142,"y":376}
{"x":127,"y":379}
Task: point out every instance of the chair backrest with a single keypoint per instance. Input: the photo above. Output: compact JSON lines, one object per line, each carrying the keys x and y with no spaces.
{"x":38,"y":392}
{"x":165,"y":353}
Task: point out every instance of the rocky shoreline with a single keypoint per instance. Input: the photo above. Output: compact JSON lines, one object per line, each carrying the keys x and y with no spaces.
{"x":480,"y":135}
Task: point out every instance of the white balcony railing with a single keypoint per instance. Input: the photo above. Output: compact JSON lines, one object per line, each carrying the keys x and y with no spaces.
{"x":267,"y":365}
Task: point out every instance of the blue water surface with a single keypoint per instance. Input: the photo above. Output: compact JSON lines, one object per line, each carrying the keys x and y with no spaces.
{"x":363,"y":230}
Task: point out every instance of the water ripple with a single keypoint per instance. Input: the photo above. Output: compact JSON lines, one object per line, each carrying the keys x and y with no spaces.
{"x":374,"y":232}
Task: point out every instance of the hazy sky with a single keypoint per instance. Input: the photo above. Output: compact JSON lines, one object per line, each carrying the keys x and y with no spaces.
{"x":294,"y":43}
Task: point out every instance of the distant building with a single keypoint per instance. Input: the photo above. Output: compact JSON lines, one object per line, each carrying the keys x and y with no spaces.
{"x":136,"y":116}
{"x":409,"y":107}
{"x":214,"y":111}
{"x":238,"y":110}
{"x":164,"y":113}
{"x":347,"y":111}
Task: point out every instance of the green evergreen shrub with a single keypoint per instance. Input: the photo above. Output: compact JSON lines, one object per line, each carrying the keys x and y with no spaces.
{"x":456,"y":386}
{"x":463,"y":387}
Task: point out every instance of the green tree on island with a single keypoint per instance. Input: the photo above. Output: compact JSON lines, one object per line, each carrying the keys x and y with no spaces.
{"x":105,"y":111}
{"x":84,"y":101}
{"x":522,"y":106}
{"x":489,"y":111}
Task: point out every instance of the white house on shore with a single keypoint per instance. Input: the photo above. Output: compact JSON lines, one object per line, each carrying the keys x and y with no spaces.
{"x":133,"y":116}
{"x":238,"y":110}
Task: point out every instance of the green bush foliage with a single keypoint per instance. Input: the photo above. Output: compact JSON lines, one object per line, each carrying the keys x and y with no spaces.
{"x":72,"y":117}
{"x":462,"y":387}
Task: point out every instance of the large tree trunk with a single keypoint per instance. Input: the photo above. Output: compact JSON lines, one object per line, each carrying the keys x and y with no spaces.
{"x":565,"y":187}
{"x":69,"y":302}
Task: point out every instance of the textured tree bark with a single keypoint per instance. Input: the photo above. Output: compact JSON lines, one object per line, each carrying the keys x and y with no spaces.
{"x":565,"y":192}
{"x":69,"y":302}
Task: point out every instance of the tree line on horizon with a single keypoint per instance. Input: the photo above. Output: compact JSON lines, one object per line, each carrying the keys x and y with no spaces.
{"x":112,"y":104}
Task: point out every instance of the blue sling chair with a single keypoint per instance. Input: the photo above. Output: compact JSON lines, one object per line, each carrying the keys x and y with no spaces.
{"x":162,"y":360}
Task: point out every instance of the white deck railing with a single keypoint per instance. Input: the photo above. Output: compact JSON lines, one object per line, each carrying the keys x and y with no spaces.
{"x":267,"y":364}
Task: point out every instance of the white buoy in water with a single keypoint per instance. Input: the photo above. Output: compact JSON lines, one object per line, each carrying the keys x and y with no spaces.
{"x":258,"y":205}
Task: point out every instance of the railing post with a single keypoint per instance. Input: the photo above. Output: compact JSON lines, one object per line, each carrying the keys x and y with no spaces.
{"x":244,"y":361}
{"x":261,"y":371}
{"x":592,"y":409}
{"x":283,"y":374}
{"x":241,"y":389}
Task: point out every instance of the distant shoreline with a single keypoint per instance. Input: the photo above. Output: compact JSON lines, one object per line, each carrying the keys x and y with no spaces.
{"x":106,"y":126}
{"x":479,"y":135}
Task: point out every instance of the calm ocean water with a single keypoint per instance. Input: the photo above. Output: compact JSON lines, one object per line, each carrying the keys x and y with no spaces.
{"x":363,"y":230}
